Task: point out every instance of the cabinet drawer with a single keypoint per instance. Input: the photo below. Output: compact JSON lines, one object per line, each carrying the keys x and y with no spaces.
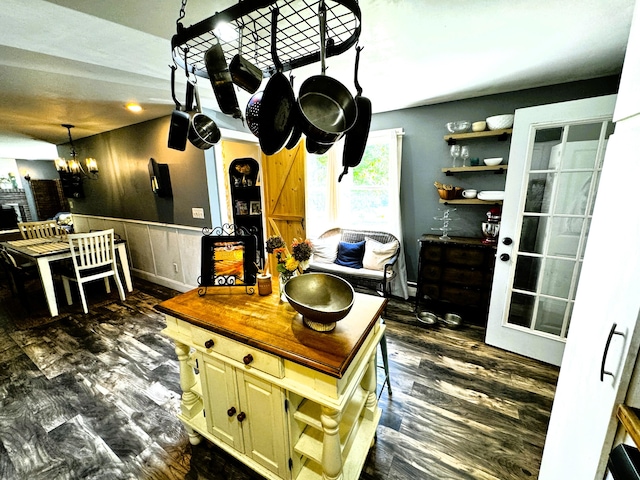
{"x":460,"y":296}
{"x":431,"y":252}
{"x":465,"y":256}
{"x":430,"y":272}
{"x":460,"y":276}
{"x":263,"y":361}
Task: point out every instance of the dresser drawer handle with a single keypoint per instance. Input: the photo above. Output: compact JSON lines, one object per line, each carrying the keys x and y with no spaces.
{"x":231,"y":412}
{"x":208,"y":344}
{"x":247,"y":359}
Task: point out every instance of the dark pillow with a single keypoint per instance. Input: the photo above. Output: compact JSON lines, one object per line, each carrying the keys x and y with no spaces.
{"x":350,"y":254}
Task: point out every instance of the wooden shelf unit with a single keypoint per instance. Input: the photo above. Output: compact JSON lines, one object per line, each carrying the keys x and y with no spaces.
{"x":501,"y":134}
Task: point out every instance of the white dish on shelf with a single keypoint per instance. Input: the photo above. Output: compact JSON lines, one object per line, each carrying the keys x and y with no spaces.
{"x":492,"y":162}
{"x":491,"y":195}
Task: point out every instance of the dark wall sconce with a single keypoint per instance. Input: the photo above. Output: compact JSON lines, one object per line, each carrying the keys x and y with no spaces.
{"x":160,"y":178}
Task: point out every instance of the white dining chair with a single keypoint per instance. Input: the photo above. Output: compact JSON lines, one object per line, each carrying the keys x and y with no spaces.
{"x":41,"y":229}
{"x":93,"y":256}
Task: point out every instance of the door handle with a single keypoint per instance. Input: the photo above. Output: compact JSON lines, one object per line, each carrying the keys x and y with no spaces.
{"x":231,"y":412}
{"x":241,"y":416}
{"x":507,"y":240}
{"x":612,"y":332}
{"x":505,"y":257}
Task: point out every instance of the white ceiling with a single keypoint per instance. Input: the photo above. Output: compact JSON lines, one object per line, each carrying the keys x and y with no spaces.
{"x":80,"y":61}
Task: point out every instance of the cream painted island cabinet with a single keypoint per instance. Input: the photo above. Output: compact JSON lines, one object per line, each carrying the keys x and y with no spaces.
{"x":289,"y":402}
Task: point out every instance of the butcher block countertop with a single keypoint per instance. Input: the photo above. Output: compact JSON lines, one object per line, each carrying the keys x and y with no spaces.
{"x":266,"y":323}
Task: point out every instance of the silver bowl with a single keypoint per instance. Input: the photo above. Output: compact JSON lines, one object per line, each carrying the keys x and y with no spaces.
{"x":427,"y":318}
{"x":452,"y":320}
{"x":322,"y":299}
{"x":460,"y":126}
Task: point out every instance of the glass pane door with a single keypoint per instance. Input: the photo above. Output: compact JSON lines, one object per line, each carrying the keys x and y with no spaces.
{"x":561,"y":184}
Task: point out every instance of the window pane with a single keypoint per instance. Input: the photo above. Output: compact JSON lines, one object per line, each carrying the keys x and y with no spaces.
{"x":550,"y":315}
{"x":521,"y":310}
{"x":557,"y":276}
{"x":526,"y":276}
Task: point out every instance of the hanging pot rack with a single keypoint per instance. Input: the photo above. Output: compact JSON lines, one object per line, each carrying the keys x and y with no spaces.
{"x":298,"y":34}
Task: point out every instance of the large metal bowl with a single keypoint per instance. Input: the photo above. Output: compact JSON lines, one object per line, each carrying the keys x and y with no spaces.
{"x":322,"y":299}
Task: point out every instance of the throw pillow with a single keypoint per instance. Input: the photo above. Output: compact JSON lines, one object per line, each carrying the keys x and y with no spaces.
{"x":350,"y":254}
{"x":325,"y":250}
{"x":376,"y":254}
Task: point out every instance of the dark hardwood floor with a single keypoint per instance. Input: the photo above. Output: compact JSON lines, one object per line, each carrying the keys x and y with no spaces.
{"x":95,"y":397}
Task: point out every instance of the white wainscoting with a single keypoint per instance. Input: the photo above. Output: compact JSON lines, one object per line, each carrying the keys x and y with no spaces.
{"x":161,"y":253}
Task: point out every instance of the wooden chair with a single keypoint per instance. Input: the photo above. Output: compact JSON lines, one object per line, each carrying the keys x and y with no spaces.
{"x":18,"y":275}
{"x":45,"y":228}
{"x":93,"y":256}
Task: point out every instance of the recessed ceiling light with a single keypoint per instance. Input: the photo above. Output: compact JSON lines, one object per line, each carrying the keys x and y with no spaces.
{"x":133,"y":107}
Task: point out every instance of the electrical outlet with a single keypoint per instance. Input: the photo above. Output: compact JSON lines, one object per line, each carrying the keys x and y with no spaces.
{"x":197,"y":212}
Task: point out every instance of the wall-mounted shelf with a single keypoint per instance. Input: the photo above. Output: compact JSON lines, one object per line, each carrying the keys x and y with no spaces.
{"x":298,"y":38}
{"x":470,"y":201}
{"x":498,"y":169}
{"x":501,"y":135}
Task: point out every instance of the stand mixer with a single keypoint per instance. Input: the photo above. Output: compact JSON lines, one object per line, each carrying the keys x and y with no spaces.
{"x":491,"y":227}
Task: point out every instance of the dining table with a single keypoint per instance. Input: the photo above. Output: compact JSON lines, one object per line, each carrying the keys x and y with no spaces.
{"x":43,"y":251}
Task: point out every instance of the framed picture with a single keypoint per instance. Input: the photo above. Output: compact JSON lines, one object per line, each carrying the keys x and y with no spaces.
{"x":255,"y":207}
{"x":228,"y":260}
{"x":242,"y":208}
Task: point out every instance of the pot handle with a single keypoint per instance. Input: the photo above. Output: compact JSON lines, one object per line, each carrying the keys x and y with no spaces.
{"x":355,"y":75}
{"x":274,"y":30}
{"x":322,"y":17}
{"x":173,"y":86}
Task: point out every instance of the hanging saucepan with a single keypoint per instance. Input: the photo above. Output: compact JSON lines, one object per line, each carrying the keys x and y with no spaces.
{"x":244,"y":73}
{"x":297,"y":131}
{"x":203,"y":131}
{"x":216,"y":65}
{"x":276,"y":117}
{"x":327,"y":107}
{"x":179,"y":125}
{"x":356,"y":138}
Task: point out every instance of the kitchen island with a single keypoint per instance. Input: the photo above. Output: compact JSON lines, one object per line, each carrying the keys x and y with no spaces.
{"x":289,"y":402}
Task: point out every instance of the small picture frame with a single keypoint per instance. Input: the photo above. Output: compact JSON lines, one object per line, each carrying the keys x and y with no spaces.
{"x":228,"y":260}
{"x":242,"y":208}
{"x":255,"y":208}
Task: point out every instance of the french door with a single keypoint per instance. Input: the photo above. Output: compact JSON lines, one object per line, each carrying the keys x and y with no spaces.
{"x":555,"y":162}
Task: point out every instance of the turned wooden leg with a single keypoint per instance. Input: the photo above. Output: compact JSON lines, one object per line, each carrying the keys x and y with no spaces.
{"x":331,"y":452}
{"x":191,"y":403}
{"x":369,"y":384}
{"x":194,"y":437}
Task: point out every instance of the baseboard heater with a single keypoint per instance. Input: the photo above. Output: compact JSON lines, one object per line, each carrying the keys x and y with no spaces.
{"x":624,"y":462}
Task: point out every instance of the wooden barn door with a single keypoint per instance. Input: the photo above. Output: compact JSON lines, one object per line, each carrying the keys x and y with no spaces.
{"x":284,"y":177}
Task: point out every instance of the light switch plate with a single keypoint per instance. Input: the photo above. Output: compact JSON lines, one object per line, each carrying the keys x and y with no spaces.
{"x":197,"y":212}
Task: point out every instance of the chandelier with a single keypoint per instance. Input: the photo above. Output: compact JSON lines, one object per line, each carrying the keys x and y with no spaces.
{"x":73,"y":165}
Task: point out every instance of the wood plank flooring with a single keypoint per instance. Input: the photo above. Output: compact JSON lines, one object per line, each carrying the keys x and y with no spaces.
{"x":96,"y":396}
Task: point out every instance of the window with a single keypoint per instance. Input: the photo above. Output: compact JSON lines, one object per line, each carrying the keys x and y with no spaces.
{"x":367,"y":196}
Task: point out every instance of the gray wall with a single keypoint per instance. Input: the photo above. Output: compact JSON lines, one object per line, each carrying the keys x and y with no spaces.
{"x":38,"y":170}
{"x":425,"y":152}
{"x":122,"y":188}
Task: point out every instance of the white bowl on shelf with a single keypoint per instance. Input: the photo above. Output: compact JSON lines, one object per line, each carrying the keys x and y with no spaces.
{"x":493,"y":161}
{"x":500,"y":122}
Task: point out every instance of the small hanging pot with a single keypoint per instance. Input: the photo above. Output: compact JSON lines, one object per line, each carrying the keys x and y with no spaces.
{"x":180,"y":119}
{"x":244,"y":73}
{"x":203,"y":131}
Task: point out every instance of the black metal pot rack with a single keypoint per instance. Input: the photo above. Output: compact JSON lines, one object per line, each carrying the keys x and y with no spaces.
{"x":298,"y":34}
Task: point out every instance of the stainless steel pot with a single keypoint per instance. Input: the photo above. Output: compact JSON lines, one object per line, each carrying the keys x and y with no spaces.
{"x":244,"y":73}
{"x":327,"y":108}
{"x":203,"y":131}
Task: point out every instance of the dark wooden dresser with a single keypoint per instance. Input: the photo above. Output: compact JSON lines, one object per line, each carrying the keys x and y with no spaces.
{"x":455,"y":276}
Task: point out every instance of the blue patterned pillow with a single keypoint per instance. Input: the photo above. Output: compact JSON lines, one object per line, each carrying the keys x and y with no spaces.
{"x":350,"y":254}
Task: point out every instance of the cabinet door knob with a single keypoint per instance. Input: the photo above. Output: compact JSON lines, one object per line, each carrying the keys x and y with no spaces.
{"x":507,"y":240}
{"x":208,"y":343}
{"x":231,"y":412}
{"x":247,"y":359}
{"x":241,"y":416}
{"x":505,"y":257}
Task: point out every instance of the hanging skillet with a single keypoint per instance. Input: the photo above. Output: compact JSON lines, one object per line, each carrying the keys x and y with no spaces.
{"x":327,"y":108}
{"x":275,"y":119}
{"x":216,"y":65}
{"x":244,"y":73}
{"x":356,"y":138}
